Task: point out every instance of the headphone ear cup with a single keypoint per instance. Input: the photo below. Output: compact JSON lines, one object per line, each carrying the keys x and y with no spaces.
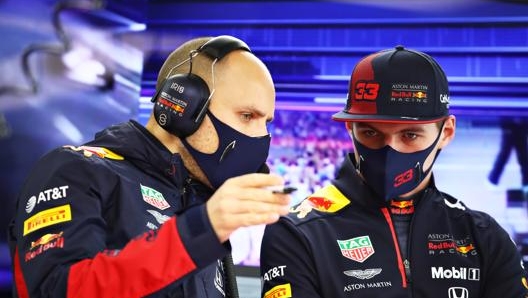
{"x":179,"y":102}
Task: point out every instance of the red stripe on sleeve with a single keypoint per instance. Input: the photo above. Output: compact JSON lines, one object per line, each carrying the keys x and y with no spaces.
{"x":20,"y":283}
{"x":145,"y":265}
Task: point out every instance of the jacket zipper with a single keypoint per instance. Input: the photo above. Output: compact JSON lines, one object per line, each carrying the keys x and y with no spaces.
{"x":401,"y":265}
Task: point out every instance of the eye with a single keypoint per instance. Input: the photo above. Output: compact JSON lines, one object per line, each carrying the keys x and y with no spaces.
{"x":369,"y":133}
{"x":410,"y":135}
{"x":246,"y":116}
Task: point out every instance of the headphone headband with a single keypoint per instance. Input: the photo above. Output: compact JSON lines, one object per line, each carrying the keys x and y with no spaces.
{"x":220,"y":46}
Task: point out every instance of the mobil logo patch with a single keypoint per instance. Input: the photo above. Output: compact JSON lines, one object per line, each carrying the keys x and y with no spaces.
{"x":357,"y":249}
{"x":455,"y":273}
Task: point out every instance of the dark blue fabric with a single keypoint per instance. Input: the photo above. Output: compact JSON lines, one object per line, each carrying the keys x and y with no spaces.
{"x":391,"y":173}
{"x":109,"y":209}
{"x":237,"y":154}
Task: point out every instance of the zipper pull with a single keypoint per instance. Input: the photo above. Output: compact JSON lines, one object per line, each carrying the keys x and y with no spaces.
{"x":407,"y":266}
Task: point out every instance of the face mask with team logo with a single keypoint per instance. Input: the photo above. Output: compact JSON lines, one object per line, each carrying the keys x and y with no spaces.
{"x":237,"y":154}
{"x":390,"y":173}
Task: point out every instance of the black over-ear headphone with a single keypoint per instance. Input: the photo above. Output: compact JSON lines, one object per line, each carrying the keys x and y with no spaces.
{"x":181,"y":102}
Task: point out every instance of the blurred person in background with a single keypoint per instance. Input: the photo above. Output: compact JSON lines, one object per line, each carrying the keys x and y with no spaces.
{"x":514,"y":137}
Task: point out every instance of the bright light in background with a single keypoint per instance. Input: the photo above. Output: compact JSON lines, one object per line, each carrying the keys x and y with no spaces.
{"x":83,"y":67}
{"x":67,"y":128}
{"x":137,"y":27}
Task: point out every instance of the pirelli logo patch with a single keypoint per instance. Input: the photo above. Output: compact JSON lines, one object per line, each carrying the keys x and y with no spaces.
{"x":47,"y":218}
{"x":280,"y":291}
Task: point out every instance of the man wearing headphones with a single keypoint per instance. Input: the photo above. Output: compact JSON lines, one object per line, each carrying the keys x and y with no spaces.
{"x":382,"y":228}
{"x":148,"y":211}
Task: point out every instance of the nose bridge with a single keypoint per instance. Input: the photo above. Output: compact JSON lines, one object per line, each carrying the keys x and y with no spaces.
{"x":258,"y":129}
{"x":264,"y":127}
{"x":390,"y":140}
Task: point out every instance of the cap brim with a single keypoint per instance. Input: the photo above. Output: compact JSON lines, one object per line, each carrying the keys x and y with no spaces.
{"x":346,"y":117}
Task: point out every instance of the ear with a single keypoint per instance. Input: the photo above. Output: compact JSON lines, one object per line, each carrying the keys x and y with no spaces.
{"x":448,"y":132}
{"x":349,"y":127}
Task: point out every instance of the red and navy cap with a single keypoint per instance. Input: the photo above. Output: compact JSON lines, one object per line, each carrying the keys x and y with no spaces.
{"x":396,"y":85}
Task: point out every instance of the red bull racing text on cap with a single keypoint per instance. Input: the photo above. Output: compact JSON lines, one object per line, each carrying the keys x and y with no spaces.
{"x":396,"y":85}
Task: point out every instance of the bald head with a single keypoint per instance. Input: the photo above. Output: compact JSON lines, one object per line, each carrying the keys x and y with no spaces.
{"x":243,"y":99}
{"x":182,"y":53}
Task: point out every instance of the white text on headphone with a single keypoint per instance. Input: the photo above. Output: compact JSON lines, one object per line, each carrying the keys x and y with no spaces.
{"x":177,"y":87}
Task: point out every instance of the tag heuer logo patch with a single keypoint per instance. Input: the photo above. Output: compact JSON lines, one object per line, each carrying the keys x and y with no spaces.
{"x":357,"y":249}
{"x":154,"y":197}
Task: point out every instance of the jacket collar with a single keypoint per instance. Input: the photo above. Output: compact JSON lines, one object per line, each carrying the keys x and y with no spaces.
{"x":138,"y":146}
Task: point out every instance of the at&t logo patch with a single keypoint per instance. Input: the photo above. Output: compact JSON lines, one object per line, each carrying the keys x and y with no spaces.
{"x":47,"y":195}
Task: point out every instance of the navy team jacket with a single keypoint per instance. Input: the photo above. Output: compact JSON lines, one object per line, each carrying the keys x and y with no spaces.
{"x":116,"y":217}
{"x":341,"y":242}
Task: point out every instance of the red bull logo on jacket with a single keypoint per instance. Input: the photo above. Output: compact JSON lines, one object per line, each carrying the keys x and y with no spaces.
{"x":402,"y":207}
{"x":101,"y":152}
{"x":43,"y":244}
{"x":327,"y":199}
{"x":357,"y":249}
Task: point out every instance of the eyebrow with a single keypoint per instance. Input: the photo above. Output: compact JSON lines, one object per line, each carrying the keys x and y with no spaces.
{"x":259,"y":113}
{"x":410,"y":128}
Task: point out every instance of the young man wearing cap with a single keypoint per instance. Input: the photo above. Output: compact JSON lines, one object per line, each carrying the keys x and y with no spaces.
{"x":382,"y":228}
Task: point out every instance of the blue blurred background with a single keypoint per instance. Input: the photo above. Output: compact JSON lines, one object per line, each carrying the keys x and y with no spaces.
{"x":70,"y":68}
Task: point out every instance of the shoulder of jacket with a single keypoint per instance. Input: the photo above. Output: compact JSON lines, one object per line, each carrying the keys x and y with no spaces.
{"x":323,"y":202}
{"x":92,"y":151}
{"x":77,"y":159}
{"x":457,"y":208}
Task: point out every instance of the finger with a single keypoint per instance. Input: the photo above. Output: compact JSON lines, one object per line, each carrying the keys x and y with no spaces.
{"x":257,"y":207}
{"x":257,"y":180}
{"x":251,"y":219}
{"x":265,"y":195}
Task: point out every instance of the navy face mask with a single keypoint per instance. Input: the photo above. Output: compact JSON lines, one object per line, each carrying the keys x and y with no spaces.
{"x":390,"y":173}
{"x":237,"y":154}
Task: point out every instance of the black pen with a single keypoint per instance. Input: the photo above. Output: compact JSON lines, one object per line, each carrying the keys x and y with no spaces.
{"x":282,"y":190}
